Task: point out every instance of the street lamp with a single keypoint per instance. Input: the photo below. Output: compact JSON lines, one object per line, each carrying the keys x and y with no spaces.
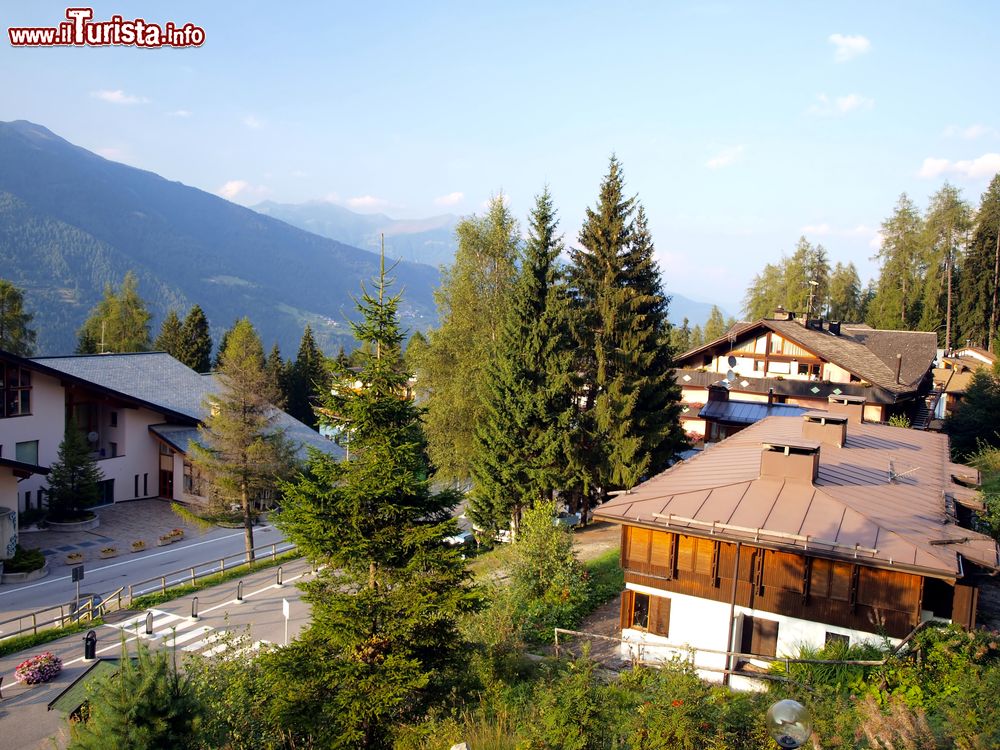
{"x":789,"y":724}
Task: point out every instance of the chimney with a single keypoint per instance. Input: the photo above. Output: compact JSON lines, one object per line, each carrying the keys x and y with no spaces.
{"x":718,"y":392}
{"x":853,"y":407}
{"x":825,"y":428}
{"x":834,"y":327}
{"x":790,"y":460}
{"x":770,"y":396}
{"x":780,"y":313}
{"x":899,"y":366}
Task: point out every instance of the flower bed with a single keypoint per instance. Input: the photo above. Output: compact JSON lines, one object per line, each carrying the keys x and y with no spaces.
{"x":38,"y":669}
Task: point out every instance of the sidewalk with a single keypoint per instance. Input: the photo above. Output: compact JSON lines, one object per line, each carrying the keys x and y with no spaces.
{"x":25,"y":724}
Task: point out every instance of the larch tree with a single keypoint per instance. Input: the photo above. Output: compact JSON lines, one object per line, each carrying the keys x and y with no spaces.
{"x":680,"y":337}
{"x":242,"y":451}
{"x":196,"y":350}
{"x":765,"y":293}
{"x":715,"y":326}
{"x":980,"y":279}
{"x":383,"y":641}
{"x":628,"y":422}
{"x":896,"y":304}
{"x":307,"y":380}
{"x":520,"y":452}
{"x":472,"y":302}
{"x":845,"y":293}
{"x":170,"y":338}
{"x":16,"y":334}
{"x":118,"y":323}
{"x":947,"y":225}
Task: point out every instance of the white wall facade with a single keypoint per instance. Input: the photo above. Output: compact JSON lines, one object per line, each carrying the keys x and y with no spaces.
{"x":702,"y":623}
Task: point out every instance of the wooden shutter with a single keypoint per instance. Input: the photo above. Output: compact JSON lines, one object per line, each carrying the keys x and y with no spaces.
{"x":703,"y":557}
{"x":659,"y":559}
{"x":626,"y":609}
{"x":764,"y":641}
{"x":638,"y":548}
{"x":840,"y":582}
{"x":659,"y":618}
{"x":685,"y":552}
{"x":963,"y":611}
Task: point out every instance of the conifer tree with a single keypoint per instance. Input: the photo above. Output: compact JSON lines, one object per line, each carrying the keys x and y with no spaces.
{"x":73,"y":478}
{"x":170,"y":338}
{"x":472,"y":302}
{"x":197,"y":341}
{"x":307,"y":380}
{"x":118,"y":323}
{"x":383,"y":640}
{"x":628,"y":425}
{"x":977,"y":298}
{"x":16,"y":334}
{"x":715,"y":326}
{"x":223,"y":343}
{"x":680,"y":337}
{"x":519,"y":453}
{"x":278,"y":372}
{"x":845,"y":293}
{"x":146,"y":704}
{"x":946,"y":225}
{"x":896,"y":304}
{"x":243,"y":453}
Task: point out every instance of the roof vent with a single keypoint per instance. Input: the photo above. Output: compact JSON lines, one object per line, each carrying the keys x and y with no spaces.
{"x":853,"y":407}
{"x":834,"y":327}
{"x":790,"y":460}
{"x":825,"y":427}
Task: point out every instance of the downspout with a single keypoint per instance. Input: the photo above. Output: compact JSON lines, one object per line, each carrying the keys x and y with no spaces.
{"x":732,"y":616}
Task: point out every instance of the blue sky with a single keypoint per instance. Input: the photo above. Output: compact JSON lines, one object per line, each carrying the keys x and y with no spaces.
{"x":741,"y":125}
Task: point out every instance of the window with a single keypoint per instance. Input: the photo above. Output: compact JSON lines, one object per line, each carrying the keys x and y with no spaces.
{"x":114,"y":419}
{"x":759,"y":636}
{"x":145,"y":485}
{"x":645,"y":612}
{"x":27,"y":500}
{"x":192,"y":480}
{"x":114,"y":449}
{"x":106,"y":491}
{"x":837,"y":639}
{"x":27,"y":452}
{"x":15,"y":389}
{"x":136,"y":493}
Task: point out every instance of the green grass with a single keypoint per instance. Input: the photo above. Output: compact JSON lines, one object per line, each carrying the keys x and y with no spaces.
{"x":606,"y":579}
{"x":175,"y":592}
{"x":22,"y":642}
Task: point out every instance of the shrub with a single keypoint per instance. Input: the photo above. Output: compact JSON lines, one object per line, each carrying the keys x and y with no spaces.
{"x":38,"y":669}
{"x":24,"y":561}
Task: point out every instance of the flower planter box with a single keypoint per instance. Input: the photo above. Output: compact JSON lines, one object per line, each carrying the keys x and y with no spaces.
{"x":74,"y":558}
{"x":31,"y":575}
{"x":38,"y":669}
{"x":177,"y":534}
{"x":163,"y":541}
{"x":109,"y":553}
{"x":138,"y":546}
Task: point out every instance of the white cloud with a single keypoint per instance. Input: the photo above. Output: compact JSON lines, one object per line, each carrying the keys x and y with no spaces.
{"x":331,"y":198}
{"x":725,"y":157}
{"x":180,"y":113}
{"x":242,"y":190}
{"x":816,"y":229}
{"x":112,"y":152}
{"x":450,"y":199}
{"x":117,"y":96}
{"x":986,"y":165}
{"x":849,"y":46}
{"x":367,"y":202}
{"x":826,"y":106}
{"x":970,"y":133}
{"x":253,"y":123}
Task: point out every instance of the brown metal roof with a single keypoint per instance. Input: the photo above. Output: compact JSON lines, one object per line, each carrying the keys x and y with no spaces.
{"x":854,"y":510}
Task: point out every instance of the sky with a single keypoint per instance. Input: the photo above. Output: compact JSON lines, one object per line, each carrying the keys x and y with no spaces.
{"x":741,"y":126}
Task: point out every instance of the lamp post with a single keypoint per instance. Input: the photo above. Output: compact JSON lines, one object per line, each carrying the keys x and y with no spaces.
{"x":788,"y":722}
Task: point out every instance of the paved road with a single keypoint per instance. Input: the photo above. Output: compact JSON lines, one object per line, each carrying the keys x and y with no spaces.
{"x":26,"y":724}
{"x":105,"y":576}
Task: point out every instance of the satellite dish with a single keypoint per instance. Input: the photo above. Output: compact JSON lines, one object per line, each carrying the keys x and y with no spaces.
{"x":732,"y":361}
{"x":92,"y":437}
{"x":730,"y":376}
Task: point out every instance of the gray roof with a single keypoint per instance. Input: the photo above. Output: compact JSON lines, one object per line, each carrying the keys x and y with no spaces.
{"x":747,"y":412}
{"x":158,"y":380}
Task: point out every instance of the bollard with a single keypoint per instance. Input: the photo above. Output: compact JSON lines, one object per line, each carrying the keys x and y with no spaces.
{"x":194,"y":608}
{"x":149,"y":623}
{"x":239,"y":592}
{"x":279,"y":582}
{"x":90,"y":646}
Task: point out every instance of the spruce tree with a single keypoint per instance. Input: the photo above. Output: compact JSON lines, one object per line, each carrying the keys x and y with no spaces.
{"x":74,"y":477}
{"x":197,"y":341}
{"x":147,"y":704}
{"x":307,"y":380}
{"x":16,"y":334}
{"x":715,"y":326}
{"x":242,"y":451}
{"x":629,"y":423}
{"x":680,"y":337}
{"x":170,"y":338}
{"x":845,"y":293}
{"x":383,"y":641}
{"x":896,"y":304}
{"x":977,"y":298}
{"x":278,"y":372}
{"x":519,"y":454}
{"x":947,"y":225}
{"x":223,"y":343}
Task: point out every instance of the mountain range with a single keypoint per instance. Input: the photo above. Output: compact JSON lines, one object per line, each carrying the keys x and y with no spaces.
{"x":72,"y":222}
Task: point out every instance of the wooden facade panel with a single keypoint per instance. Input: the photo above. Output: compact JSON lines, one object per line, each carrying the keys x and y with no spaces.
{"x":874,"y":601}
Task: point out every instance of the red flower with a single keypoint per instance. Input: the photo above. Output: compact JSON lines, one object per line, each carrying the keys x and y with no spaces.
{"x":676,"y":703}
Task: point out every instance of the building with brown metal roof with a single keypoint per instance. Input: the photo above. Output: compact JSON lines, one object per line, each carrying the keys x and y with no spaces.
{"x":803,"y":361}
{"x":797,"y":531}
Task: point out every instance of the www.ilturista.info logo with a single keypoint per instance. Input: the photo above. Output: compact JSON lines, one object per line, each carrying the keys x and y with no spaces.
{"x":80,"y":30}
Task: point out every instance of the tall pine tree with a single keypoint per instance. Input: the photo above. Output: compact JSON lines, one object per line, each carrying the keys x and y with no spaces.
{"x":383,"y":641}
{"x":977,"y":299}
{"x":118,"y":323}
{"x":74,"y":477}
{"x":947,"y":226}
{"x":896,"y":304}
{"x":170,"y":338}
{"x":519,"y":444}
{"x":16,"y":334}
{"x":307,"y":380}
{"x":628,"y":425}
{"x":196,"y":350}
